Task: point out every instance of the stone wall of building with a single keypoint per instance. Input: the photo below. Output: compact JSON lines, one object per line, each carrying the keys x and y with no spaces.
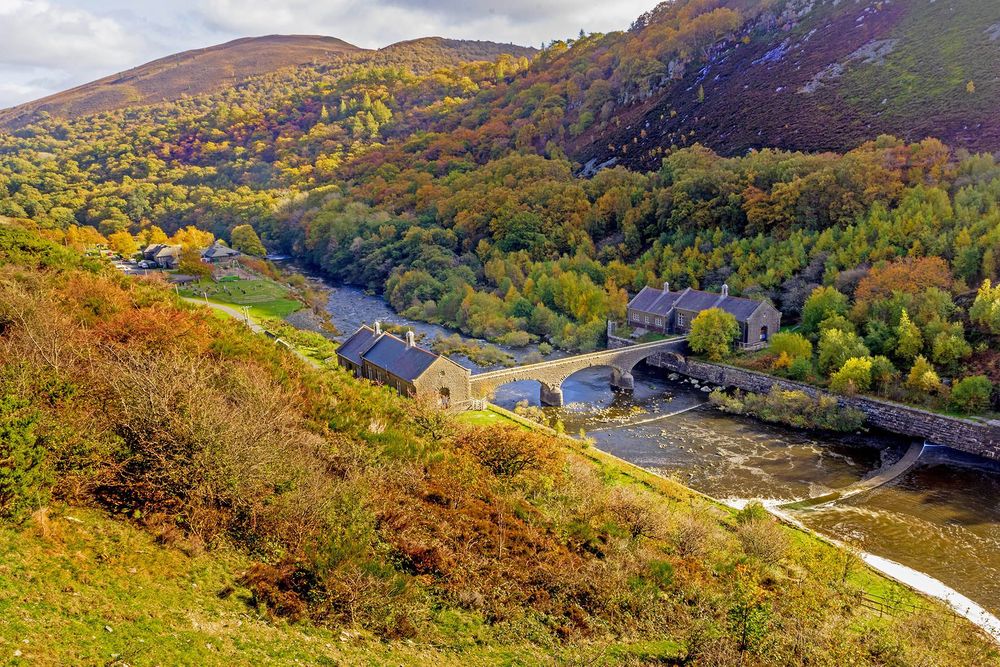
{"x":976,"y":437}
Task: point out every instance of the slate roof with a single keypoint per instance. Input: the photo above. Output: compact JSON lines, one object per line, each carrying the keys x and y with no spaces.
{"x":660,"y":302}
{"x":161,"y":250}
{"x":652,"y":300}
{"x":395,"y":356}
{"x":217,"y":250}
{"x":359,"y":342}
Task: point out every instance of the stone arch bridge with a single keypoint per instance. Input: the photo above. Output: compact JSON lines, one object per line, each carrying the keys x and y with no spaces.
{"x":551,"y":374}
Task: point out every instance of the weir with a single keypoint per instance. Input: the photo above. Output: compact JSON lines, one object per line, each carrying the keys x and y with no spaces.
{"x":883,"y":477}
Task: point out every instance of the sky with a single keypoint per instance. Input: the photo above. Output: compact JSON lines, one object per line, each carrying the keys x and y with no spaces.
{"x":50,"y":45}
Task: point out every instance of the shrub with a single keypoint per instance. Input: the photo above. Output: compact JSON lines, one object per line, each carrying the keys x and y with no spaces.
{"x":763,"y":539}
{"x":713,"y":332}
{"x":836,"y":347}
{"x":800,"y":369}
{"x":923,"y":378}
{"x":792,"y":345}
{"x":508,"y":451}
{"x":853,"y":377}
{"x":754,"y":511}
{"x":516,"y":339}
{"x":794,"y":408}
{"x":971,"y":394}
{"x":23,"y":473}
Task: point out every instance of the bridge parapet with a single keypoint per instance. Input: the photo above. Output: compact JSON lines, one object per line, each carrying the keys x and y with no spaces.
{"x":551,"y":374}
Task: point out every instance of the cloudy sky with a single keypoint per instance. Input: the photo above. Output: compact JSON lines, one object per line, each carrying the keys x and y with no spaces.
{"x":50,"y":45}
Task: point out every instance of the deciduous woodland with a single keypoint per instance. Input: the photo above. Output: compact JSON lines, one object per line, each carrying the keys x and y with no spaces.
{"x":447,"y":186}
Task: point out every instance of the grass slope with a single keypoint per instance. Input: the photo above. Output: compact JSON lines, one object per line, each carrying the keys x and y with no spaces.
{"x":78,"y":587}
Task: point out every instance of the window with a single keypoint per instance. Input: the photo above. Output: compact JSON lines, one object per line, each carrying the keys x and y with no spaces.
{"x":659,"y":321}
{"x":646,"y":318}
{"x":680,"y":319}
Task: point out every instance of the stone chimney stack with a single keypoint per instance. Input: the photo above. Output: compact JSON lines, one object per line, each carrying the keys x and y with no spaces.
{"x":410,"y":339}
{"x":725,"y":290}
{"x":666,"y":287}
{"x":378,"y":328}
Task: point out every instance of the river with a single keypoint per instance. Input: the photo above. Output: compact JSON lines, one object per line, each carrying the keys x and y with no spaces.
{"x":941,"y":517}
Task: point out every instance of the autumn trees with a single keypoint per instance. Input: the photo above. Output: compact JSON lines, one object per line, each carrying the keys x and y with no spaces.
{"x":713,"y":333}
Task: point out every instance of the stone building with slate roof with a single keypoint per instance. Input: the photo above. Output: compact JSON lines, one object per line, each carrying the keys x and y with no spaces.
{"x":219,"y":254}
{"x":403,"y":365}
{"x":669,"y":312}
{"x":166,"y":256}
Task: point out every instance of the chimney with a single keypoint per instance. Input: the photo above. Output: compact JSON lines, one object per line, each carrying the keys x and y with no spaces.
{"x":725,"y":290}
{"x":666,"y":287}
{"x":378,"y":327}
{"x":410,"y":340}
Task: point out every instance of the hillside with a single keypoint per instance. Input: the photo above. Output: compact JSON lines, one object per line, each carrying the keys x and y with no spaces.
{"x":215,"y":68}
{"x":820,"y":75}
{"x":177,"y":490}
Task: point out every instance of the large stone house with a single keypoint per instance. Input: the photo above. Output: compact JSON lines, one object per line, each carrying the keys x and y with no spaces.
{"x":409,"y":369}
{"x":669,"y":312}
{"x":166,"y":256}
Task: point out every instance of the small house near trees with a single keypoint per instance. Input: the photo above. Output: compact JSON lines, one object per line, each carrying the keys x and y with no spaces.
{"x":401,"y":364}
{"x":220,"y":255}
{"x":666,"y":312}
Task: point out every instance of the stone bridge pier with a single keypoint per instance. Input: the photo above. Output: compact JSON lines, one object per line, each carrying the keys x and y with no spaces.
{"x":551,"y":374}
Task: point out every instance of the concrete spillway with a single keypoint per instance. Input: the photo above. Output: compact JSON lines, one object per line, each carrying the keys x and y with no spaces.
{"x":882,"y":477}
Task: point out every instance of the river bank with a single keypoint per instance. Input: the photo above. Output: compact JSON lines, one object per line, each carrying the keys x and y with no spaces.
{"x":939,"y":518}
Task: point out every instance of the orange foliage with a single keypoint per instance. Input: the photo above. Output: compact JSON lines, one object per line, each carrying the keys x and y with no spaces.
{"x":912,"y":275}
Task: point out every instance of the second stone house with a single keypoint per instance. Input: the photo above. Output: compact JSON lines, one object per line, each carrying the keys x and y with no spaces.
{"x":403,"y":365}
{"x":666,"y":312}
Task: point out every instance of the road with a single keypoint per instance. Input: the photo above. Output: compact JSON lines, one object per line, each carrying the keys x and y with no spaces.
{"x":229,"y":310}
{"x":254,"y":326}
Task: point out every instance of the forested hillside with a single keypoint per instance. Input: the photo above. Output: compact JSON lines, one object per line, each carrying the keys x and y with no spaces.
{"x":214,"y":68}
{"x":456,"y":187}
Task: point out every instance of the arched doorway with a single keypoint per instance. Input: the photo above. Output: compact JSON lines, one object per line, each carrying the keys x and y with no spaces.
{"x":763,"y":334}
{"x":444,"y":397}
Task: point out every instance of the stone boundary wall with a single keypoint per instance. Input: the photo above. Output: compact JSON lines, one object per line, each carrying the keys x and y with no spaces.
{"x":976,"y":437}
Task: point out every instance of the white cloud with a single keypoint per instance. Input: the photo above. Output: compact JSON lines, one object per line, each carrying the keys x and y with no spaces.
{"x":37,"y":33}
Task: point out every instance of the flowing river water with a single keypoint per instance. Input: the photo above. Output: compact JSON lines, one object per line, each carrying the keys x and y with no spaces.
{"x":941,"y":517}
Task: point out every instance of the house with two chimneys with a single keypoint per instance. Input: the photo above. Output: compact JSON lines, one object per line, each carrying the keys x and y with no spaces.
{"x":401,"y":364}
{"x":666,"y":312}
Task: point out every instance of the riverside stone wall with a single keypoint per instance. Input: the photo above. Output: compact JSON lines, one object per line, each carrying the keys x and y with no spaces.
{"x":976,"y":437}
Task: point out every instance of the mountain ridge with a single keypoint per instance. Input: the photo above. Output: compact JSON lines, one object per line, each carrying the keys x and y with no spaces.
{"x":213,"y":68}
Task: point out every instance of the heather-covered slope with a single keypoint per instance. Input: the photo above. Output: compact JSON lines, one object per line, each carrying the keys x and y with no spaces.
{"x":820,"y":75}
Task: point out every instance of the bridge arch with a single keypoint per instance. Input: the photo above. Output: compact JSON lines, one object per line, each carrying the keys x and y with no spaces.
{"x":551,"y":374}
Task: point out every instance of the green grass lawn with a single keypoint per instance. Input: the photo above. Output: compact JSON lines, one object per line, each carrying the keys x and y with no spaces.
{"x":265,"y":298}
{"x":483,"y":418}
